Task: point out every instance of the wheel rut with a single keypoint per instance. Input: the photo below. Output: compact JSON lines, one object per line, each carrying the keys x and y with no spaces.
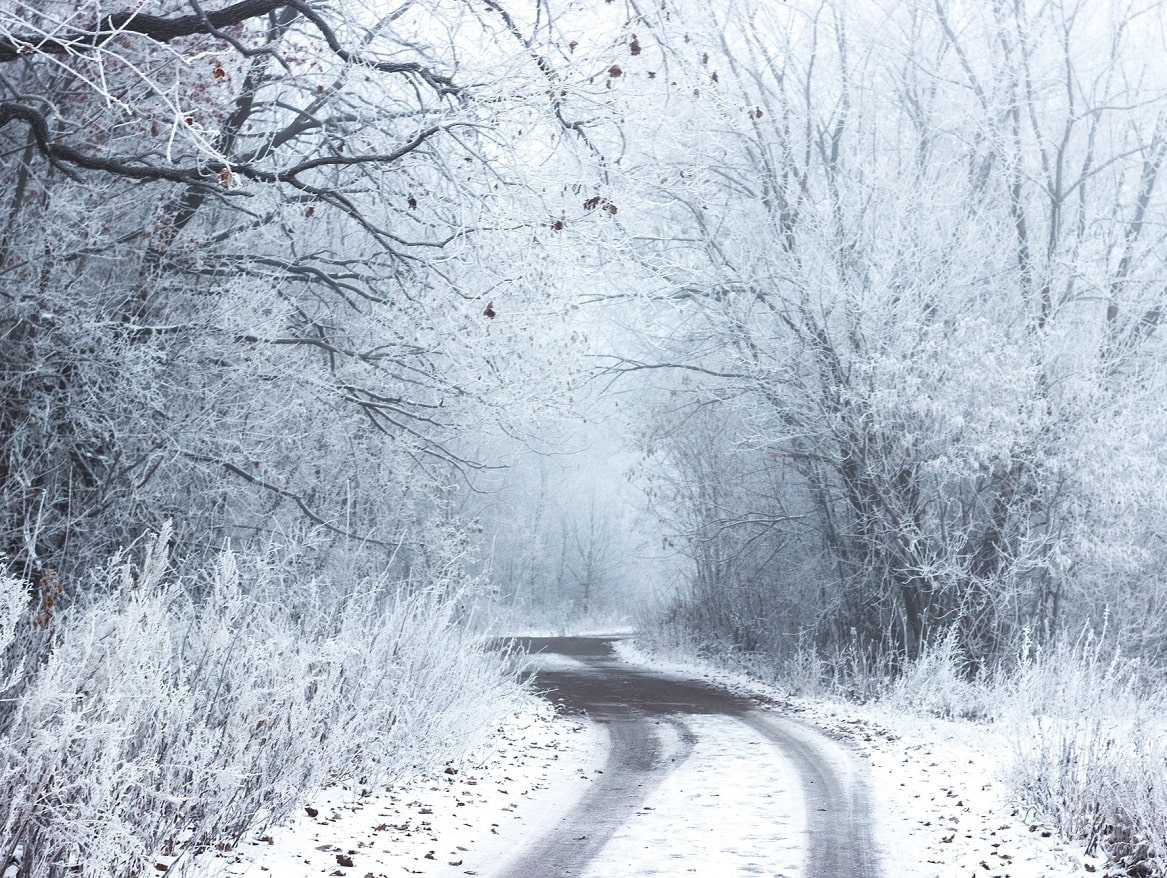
{"x":644,"y":714}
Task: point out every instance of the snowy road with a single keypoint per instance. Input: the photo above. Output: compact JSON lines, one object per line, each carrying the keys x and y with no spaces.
{"x":673,"y":777}
{"x":697,"y":780}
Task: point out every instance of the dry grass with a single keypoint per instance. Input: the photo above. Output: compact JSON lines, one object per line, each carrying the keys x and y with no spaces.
{"x":163,"y":718}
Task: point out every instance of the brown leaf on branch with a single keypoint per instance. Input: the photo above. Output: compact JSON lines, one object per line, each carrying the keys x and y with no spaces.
{"x":51,"y":592}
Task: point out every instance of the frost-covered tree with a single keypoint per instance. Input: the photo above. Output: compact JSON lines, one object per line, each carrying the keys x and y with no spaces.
{"x":264,"y":262}
{"x":911,"y":250}
{"x":268,"y":269}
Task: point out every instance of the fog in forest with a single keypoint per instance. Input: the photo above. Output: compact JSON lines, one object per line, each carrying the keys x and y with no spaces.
{"x":337,"y":337}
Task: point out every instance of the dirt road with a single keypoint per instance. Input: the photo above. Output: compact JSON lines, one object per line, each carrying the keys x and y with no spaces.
{"x":646,"y":714}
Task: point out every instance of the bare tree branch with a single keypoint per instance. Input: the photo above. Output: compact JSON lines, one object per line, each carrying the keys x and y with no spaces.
{"x":165,"y":30}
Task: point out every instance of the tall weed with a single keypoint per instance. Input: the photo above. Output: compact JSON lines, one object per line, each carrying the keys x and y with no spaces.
{"x":941,"y":682}
{"x":169,"y":717}
{"x":1090,"y":736}
{"x":1091,"y":748}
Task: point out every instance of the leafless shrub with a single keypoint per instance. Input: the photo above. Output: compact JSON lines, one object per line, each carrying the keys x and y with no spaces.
{"x":169,"y":717}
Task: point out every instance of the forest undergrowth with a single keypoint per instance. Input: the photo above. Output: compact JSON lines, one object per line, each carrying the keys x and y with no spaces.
{"x":1086,"y":723}
{"x":166,"y":715}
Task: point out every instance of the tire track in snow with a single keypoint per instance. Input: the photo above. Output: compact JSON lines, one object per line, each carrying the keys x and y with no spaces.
{"x":837,"y":800}
{"x":636,"y":706}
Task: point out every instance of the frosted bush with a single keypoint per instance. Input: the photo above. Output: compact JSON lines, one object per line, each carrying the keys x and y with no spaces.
{"x":939,"y":683}
{"x":170,"y":716}
{"x":13,"y":599}
{"x":1091,"y":749}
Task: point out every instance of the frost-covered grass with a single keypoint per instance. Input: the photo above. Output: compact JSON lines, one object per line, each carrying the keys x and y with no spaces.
{"x":1089,"y":733}
{"x":171,"y":715}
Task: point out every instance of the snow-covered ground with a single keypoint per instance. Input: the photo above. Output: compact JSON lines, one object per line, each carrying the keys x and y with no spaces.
{"x":467,"y":819}
{"x":940,"y":808}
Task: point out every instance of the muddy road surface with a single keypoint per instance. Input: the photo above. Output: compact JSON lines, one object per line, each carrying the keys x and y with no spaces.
{"x":656,"y":724}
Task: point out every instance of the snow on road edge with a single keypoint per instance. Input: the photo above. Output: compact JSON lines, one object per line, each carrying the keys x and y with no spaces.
{"x":941,"y":808}
{"x":732,"y":806}
{"x":464,"y":820}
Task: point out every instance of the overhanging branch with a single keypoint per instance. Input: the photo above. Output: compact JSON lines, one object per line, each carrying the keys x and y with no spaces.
{"x":83,"y":40}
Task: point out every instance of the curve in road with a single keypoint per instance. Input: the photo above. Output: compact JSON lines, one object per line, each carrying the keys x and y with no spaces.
{"x":631,"y":703}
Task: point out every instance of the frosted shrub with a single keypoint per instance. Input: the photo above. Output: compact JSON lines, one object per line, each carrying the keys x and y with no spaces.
{"x":939,"y":683}
{"x":164,"y":724}
{"x":1092,"y":750}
